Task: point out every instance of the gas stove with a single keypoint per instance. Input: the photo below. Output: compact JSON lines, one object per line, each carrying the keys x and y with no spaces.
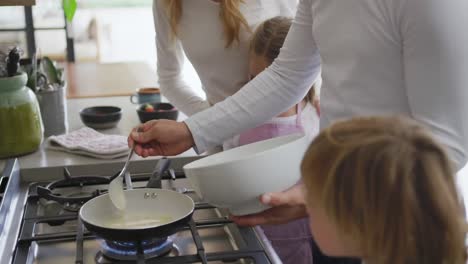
{"x":39,"y":221}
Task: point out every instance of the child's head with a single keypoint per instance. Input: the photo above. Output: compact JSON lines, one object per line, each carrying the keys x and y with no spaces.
{"x":382,"y":189}
{"x":266,"y":44}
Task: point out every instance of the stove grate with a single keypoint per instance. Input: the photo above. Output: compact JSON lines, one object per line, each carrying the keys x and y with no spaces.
{"x":252,"y":249}
{"x":253,"y":252}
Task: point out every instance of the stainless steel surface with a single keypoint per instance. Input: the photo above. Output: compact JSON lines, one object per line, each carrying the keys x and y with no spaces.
{"x":215,"y":239}
{"x":53,"y":105}
{"x":11,"y":211}
{"x":267,"y":245}
{"x":171,"y":183}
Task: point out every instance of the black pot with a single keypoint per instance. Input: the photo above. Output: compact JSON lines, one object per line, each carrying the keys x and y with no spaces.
{"x":100,"y":117}
{"x":161,"y":111}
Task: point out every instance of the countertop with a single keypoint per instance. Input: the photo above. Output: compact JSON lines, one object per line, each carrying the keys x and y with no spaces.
{"x":51,"y":158}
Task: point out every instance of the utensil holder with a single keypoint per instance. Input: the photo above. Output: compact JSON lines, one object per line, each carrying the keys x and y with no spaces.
{"x":53,"y":104}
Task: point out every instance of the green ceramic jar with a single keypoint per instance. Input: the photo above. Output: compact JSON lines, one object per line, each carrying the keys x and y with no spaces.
{"x":21,"y":129}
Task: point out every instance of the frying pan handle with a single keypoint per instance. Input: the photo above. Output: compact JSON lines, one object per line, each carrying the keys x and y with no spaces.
{"x":47,"y":194}
{"x":161,"y":167}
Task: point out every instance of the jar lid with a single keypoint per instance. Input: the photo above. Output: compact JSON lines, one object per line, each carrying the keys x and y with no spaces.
{"x":13,"y":83}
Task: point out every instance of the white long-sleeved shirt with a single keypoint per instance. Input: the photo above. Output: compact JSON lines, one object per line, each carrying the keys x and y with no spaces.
{"x":378,"y":57}
{"x":222,"y":71}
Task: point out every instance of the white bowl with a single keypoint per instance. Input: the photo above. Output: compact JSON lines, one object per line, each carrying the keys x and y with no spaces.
{"x":234,"y":179}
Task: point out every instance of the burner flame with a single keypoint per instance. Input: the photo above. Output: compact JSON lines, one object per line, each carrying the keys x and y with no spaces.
{"x":128,"y":250}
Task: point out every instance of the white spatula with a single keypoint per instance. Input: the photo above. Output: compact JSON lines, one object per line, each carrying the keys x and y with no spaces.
{"x":116,"y":192}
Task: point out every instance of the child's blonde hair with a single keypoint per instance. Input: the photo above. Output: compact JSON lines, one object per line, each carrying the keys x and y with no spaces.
{"x":385,"y":182}
{"x":268,"y":39}
{"x":229,"y":12}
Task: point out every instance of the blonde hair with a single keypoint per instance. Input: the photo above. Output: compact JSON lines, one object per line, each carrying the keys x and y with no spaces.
{"x":229,"y":12}
{"x":389,"y":185}
{"x":268,"y":39}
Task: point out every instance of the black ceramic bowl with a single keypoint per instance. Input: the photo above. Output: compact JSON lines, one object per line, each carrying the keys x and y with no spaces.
{"x":101,"y":117}
{"x":161,"y":111}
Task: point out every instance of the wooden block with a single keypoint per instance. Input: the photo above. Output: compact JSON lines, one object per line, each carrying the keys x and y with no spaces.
{"x":17,"y":2}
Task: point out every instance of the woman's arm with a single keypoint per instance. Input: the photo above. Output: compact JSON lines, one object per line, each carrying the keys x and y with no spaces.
{"x":276,"y":89}
{"x":170,"y":64}
{"x":435,"y":39}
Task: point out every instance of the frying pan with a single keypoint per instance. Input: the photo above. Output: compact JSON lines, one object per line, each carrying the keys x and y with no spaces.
{"x":150,"y":213}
